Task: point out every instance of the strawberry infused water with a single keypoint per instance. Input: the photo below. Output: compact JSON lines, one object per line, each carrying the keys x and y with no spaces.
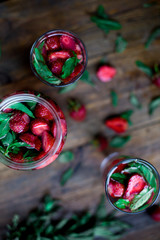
{"x":32,"y":131}
{"x":58,"y":58}
{"x":132,"y":185}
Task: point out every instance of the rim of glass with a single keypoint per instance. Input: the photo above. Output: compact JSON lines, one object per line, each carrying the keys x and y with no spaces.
{"x":75,"y":79}
{"x":30,"y":98}
{"x":127,"y":161}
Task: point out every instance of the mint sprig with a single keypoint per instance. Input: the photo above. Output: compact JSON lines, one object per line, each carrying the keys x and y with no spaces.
{"x":121,"y":44}
{"x":86,"y":78}
{"x":122,"y":203}
{"x":119,"y":141}
{"x":154,"y":34}
{"x":144,"y":68}
{"x":153,"y":105}
{"x":134,"y":101}
{"x":114,"y":98}
{"x":69,"y":66}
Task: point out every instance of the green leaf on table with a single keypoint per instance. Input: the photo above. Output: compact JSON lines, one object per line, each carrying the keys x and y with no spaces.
{"x":67,"y":88}
{"x":4,"y":127}
{"x":141,"y":198}
{"x":147,"y":5}
{"x":21,"y":107}
{"x":122,"y":203}
{"x":121,"y":44}
{"x":101,"y":12}
{"x":126,"y":115}
{"x":66,"y":176}
{"x":86,"y":78}
{"x":110,"y":24}
{"x":114,"y":98}
{"x":101,"y":211}
{"x":134,"y":101}
{"x":144,"y":68}
{"x":69,"y":66}
{"x":119,"y":141}
{"x":66,"y":156}
{"x":119,"y":177}
{"x":154,"y":34}
{"x":156,"y":68}
{"x":154,"y":104}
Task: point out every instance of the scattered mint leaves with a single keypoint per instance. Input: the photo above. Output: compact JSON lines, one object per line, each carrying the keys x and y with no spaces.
{"x":20,"y":106}
{"x":134,"y":101}
{"x":66,"y":156}
{"x":144,"y":68}
{"x":114,"y":98}
{"x":67,"y":88}
{"x":154,"y":34}
{"x":121,"y":44}
{"x":66,"y":176}
{"x":119,"y":141}
{"x":119,"y":177}
{"x":122,"y":203}
{"x":154,"y":104}
{"x":86,"y":78}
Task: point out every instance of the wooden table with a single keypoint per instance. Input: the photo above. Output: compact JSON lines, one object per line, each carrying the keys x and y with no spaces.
{"x":21,"y":23}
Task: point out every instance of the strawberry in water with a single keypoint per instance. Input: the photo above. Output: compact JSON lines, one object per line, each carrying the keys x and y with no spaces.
{"x":105,"y":73}
{"x":78,"y":51}
{"x":42,"y":112}
{"x":136,"y":184}
{"x":52,"y":43}
{"x":117,"y":124}
{"x":63,"y":55}
{"x":47,"y":141}
{"x":18,"y":157}
{"x":115,"y":189}
{"x":38,"y":126}
{"x":57,"y":108}
{"x":67,"y":42}
{"x":56,"y":66}
{"x":77,"y":111}
{"x":19,"y":122}
{"x":32,"y":140}
{"x":63,"y":127}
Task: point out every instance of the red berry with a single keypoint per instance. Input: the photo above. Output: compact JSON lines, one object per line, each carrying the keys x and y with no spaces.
{"x":75,"y":72}
{"x":60,"y":147}
{"x":38,"y":126}
{"x":78,"y":51}
{"x":52,"y":43}
{"x":63,"y":127}
{"x":43,"y":112}
{"x":63,"y":54}
{"x":55,"y":106}
{"x":47,"y":141}
{"x":77,"y":111}
{"x":156,"y":81}
{"x":32,"y":140}
{"x":135,"y":185}
{"x":106,"y":73}
{"x":17,"y":157}
{"x":115,"y":189}
{"x":56,"y":66}
{"x":101,"y":142}
{"x":118,"y":124}
{"x":19,"y":122}
{"x":67,"y":42}
{"x":40,"y":155}
{"x":154,"y":212}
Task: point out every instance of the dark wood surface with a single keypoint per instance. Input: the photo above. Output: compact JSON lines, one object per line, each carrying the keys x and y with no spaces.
{"x":21,"y":22}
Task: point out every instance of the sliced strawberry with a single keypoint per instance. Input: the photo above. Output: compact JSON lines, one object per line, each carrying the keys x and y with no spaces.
{"x":38,"y":126}
{"x":75,"y":72}
{"x":47,"y":141}
{"x":17,"y":157}
{"x":118,"y":124}
{"x":78,"y":51}
{"x":115,"y":189}
{"x":135,"y":185}
{"x":63,"y":127}
{"x":56,"y":66}
{"x":120,"y":167}
{"x":40,"y":155}
{"x":52,"y":43}
{"x":67,"y":42}
{"x":19,"y":122}
{"x":106,"y":73}
{"x":43,"y":112}
{"x":63,"y":54}
{"x":8,"y":110}
{"x":32,"y":140}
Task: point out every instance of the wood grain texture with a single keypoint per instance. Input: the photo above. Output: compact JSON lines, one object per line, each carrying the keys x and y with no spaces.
{"x":21,"y":23}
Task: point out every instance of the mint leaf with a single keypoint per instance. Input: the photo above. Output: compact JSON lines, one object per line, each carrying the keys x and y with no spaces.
{"x":144,"y":68}
{"x":86,"y":78}
{"x":114,"y":98}
{"x":126,"y":115}
{"x":149,"y":176}
{"x":67,"y":88}
{"x":118,"y":141}
{"x":121,"y":44}
{"x":155,"y":103}
{"x":15,"y":147}
{"x":134,"y":101}
{"x":141,"y":198}
{"x":147,"y":5}
{"x":66,"y":157}
{"x":69,"y":66}
{"x":4,"y":127}
{"x":4,"y":116}
{"x":110,"y":24}
{"x":21,"y":107}
{"x":33,"y":104}
{"x":122,"y":203}
{"x":30,"y":154}
{"x":101,"y":12}
{"x":66,"y":176}
{"x":2,"y":150}
{"x":119,"y":177}
{"x":154,"y":34}
{"x":8,"y":139}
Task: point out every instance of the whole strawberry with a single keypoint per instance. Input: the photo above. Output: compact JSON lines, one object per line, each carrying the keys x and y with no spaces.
{"x":100,"y":142}
{"x":105,"y":73}
{"x":154,"y":212}
{"x":117,"y":124}
{"x":156,"y":80}
{"x":77,"y":111}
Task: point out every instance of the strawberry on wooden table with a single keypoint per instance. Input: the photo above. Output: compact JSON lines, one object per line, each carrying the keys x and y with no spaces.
{"x":19,"y":122}
{"x":105,"y":73}
{"x":117,"y":124}
{"x":77,"y":111}
{"x":38,"y":126}
{"x":32,"y":140}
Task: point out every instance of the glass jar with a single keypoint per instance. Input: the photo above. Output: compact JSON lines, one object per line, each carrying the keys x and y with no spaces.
{"x":41,"y":40}
{"x":59,"y":139}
